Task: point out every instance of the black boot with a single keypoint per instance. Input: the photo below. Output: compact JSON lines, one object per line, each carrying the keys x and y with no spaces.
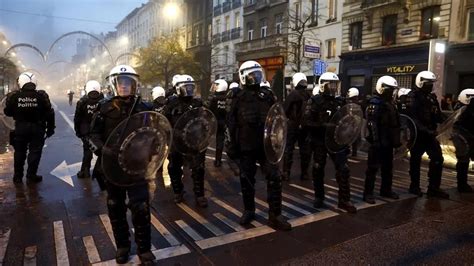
{"x":319,"y":203}
{"x":369,"y":198}
{"x":390,"y":195}
{"x":347,"y":206}
{"x":146,"y":258}
{"x":416,"y":191}
{"x":437,"y":193}
{"x":81,"y":174}
{"x":122,"y":255}
{"x":34,"y":179}
{"x":277,"y":222}
{"x":201,"y":202}
{"x":465,"y":188}
{"x":17,"y":179}
{"x":178,"y":197}
{"x":247,"y":217}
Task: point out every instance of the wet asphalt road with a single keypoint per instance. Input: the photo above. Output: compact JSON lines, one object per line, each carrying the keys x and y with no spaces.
{"x":63,"y":220}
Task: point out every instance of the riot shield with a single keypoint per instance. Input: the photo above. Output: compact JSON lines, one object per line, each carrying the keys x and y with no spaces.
{"x":344,"y":127}
{"x":407,"y":136}
{"x":136,"y":148}
{"x":275,"y":132}
{"x":7,"y":121}
{"x":193,"y":131}
{"x":453,"y":142}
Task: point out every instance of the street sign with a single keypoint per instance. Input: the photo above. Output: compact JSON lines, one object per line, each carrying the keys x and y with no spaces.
{"x":319,"y":67}
{"x":311,"y":50}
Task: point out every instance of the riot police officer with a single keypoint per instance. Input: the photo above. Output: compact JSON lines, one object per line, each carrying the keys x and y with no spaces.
{"x":85,"y":109}
{"x":424,"y":109}
{"x":217,"y":104}
{"x":353,"y":97}
{"x":159,"y":98}
{"x":383,"y":124}
{"x":246,"y":122}
{"x":464,"y":128}
{"x":294,"y":106}
{"x":110,"y":112}
{"x":319,"y":111}
{"x":34,"y":117}
{"x":173,"y":110}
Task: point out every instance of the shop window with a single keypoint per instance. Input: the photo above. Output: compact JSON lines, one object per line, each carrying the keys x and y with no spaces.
{"x":389,"y":30}
{"x":470,"y":33}
{"x":430,"y":22}
{"x":355,"y":35}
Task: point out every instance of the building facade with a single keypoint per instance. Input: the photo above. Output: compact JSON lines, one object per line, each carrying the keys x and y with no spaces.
{"x":315,"y":34}
{"x":389,"y":37}
{"x":265,"y":39}
{"x":199,"y":39}
{"x":460,"y":51}
{"x":226,"y":32}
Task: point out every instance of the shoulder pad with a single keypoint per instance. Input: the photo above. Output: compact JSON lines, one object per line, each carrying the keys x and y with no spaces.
{"x":42,"y":93}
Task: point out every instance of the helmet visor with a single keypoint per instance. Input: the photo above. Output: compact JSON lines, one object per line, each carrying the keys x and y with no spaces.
{"x":331,"y":87}
{"x":253,"y":76}
{"x":185,"y":89}
{"x":124,"y":85}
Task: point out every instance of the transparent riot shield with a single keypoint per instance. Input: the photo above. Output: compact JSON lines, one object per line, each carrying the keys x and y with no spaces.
{"x":407,"y":136}
{"x":344,"y":127}
{"x":136,"y":149}
{"x":193,"y":131}
{"x":7,"y":121}
{"x":275,"y":133}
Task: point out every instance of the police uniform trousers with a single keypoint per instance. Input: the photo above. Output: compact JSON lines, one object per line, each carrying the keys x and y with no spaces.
{"x":429,"y":144}
{"x":139,"y":205}
{"x":248,"y":169}
{"x":86,"y":156}
{"x":28,"y":140}
{"x":196,"y":164}
{"x":296,"y":134}
{"x":339,"y":160}
{"x":220,"y":136}
{"x":463,"y":155}
{"x":379,"y":158}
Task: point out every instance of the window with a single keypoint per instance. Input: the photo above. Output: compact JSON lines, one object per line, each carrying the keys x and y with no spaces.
{"x":355,"y":35}
{"x":314,"y":12}
{"x":470,"y":29}
{"x":217,"y":26}
{"x":226,"y":55}
{"x":389,"y":30}
{"x":297,"y":14}
{"x":331,"y":48}
{"x":263,"y":28}
{"x":237,"y":19}
{"x":278,"y":23}
{"x":430,"y":22}
{"x":227,"y":23}
{"x":332,"y":8}
{"x":250,"y":31}
{"x":250,"y":2}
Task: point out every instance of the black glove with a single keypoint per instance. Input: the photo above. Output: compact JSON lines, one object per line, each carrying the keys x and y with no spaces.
{"x":49,"y":132}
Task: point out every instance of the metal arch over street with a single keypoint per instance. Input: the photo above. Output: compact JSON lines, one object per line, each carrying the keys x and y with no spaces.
{"x":58,"y":62}
{"x":126,"y":54}
{"x":28,"y":46}
{"x":78,"y":32}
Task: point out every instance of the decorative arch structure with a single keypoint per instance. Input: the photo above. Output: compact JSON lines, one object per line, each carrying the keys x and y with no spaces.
{"x":28,"y":46}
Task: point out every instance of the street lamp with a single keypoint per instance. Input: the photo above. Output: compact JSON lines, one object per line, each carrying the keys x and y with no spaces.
{"x":171,"y":10}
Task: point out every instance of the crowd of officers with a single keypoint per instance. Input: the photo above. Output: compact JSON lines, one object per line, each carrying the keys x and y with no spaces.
{"x":241,"y":110}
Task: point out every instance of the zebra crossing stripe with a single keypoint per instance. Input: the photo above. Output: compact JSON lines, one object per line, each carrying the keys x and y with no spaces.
{"x":312,"y":218}
{"x":159,"y":255}
{"x":232,"y":210}
{"x":91,"y":249}
{"x":297,"y":200}
{"x":234,"y":237}
{"x":29,"y":258}
{"x":209,"y":226}
{"x":235,"y":226}
{"x":164,"y":232}
{"x":4,"y":237}
{"x":188,"y":230}
{"x":108,"y":228}
{"x":60,"y":244}
{"x":264,"y":204}
{"x":295,"y":208}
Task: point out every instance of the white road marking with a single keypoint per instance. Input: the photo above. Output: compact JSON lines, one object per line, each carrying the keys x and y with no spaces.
{"x":164,"y":232}
{"x":159,"y":254}
{"x":234,"y":237}
{"x":67,"y":119}
{"x":91,"y":249}
{"x":264,"y":204}
{"x":232,"y":210}
{"x":312,"y":218}
{"x":188,"y":230}
{"x":60,"y":244}
{"x":235,"y":226}
{"x":108,"y":228}
{"x":211,"y":227}
{"x":4,"y":237}
{"x":62,"y":172}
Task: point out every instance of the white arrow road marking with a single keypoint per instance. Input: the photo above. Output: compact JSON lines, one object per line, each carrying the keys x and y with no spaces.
{"x":62,"y":172}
